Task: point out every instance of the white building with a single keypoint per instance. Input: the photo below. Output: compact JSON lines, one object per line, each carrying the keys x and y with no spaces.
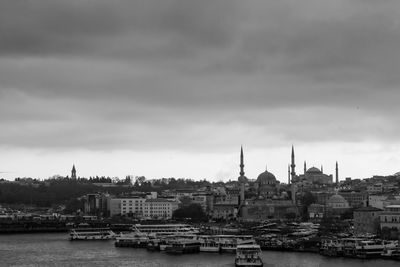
{"x":126,"y":206}
{"x":375,"y":188}
{"x":159,"y":208}
{"x":380,"y":201}
{"x":390,"y":218}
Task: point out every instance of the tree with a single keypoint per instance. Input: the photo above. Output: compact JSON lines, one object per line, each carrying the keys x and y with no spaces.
{"x":73,"y":206}
{"x":193,"y":212}
{"x":306,"y":200}
{"x":185,"y":201}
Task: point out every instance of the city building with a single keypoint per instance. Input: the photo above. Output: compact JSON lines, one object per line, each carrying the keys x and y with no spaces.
{"x":366,"y":220}
{"x":260,"y":210}
{"x":127,"y":206}
{"x":390,"y":217}
{"x":316,"y":212}
{"x":96,"y":204}
{"x":356,"y":199}
{"x":159,"y":208}
{"x":382,"y":200}
{"x":225,"y":211}
{"x":337,"y":204}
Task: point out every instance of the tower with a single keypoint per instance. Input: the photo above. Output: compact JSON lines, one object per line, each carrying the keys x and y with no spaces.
{"x":337,"y":174}
{"x":241,"y":162}
{"x":242,"y":179}
{"x":288,"y":173}
{"x":322,"y":168}
{"x":305,"y":167}
{"x":293,"y":166}
{"x":73,"y":172}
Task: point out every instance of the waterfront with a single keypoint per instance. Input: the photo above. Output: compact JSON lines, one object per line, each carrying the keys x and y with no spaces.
{"x":53,"y":249}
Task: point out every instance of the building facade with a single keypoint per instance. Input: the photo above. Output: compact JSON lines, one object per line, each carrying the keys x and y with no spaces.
{"x":366,"y":220}
{"x":390,"y":217}
{"x":159,"y":208}
{"x":132,"y":207}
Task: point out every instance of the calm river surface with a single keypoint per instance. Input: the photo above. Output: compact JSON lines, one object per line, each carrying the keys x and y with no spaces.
{"x":56,"y":250}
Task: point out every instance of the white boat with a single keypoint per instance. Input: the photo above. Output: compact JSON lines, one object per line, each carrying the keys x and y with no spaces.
{"x":91,"y":234}
{"x":209,"y":244}
{"x":165,"y":228}
{"x":136,"y":240}
{"x":372,"y":248}
{"x":248,"y":255}
{"x":229,"y":243}
{"x":393,"y":253}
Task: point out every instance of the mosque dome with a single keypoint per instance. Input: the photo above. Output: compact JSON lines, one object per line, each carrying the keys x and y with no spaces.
{"x":337,"y":199}
{"x":313,"y":170}
{"x":266,"y":178}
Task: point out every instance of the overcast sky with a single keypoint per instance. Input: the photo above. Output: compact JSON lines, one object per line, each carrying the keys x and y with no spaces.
{"x":172,"y":88}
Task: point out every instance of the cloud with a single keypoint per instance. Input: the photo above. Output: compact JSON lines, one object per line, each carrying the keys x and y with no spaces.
{"x":197,"y":75}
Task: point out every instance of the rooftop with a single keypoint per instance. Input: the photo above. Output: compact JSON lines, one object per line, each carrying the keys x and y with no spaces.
{"x":367,"y":209}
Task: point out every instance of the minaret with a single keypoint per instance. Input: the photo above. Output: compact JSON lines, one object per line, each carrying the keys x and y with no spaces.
{"x":322,"y":168}
{"x":288,"y":173}
{"x":293,"y":166}
{"x":241,"y":162}
{"x":242,"y":178}
{"x":337,"y":174}
{"x":73,"y":172}
{"x":305,"y":167}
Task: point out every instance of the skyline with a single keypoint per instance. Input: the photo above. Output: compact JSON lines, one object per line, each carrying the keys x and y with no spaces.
{"x":172,"y":88}
{"x":221,"y":176}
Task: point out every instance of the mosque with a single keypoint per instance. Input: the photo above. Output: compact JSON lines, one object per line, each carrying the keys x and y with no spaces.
{"x":311,"y":176}
{"x":271,"y":200}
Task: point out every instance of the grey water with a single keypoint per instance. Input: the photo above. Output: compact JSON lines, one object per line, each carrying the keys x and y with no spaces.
{"x":54,"y":249}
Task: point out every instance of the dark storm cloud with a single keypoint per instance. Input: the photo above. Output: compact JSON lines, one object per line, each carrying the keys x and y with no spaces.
{"x":101,"y":74}
{"x":69,"y":27}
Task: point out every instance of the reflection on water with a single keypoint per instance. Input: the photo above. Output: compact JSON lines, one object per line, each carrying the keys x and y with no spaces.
{"x":55,"y":250}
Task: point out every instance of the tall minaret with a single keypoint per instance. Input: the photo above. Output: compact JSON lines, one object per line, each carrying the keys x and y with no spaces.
{"x":293,"y":165}
{"x":242,"y":178}
{"x":241,"y":162}
{"x":73,"y":172}
{"x":322,"y":168}
{"x":288,"y":173}
{"x":305,"y":167}
{"x":337,"y":174}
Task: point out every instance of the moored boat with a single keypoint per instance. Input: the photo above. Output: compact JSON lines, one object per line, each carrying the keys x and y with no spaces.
{"x":229,"y":243}
{"x":165,"y":229}
{"x":392,"y":254}
{"x":91,"y":234}
{"x":209,"y":244}
{"x":134,"y":240}
{"x":372,"y":248}
{"x":183,"y":246}
{"x":248,"y":255}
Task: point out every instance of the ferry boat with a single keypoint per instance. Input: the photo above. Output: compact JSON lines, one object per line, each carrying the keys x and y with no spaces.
{"x":229,"y":243}
{"x":392,"y":254}
{"x":165,"y":228}
{"x":332,"y":248}
{"x":209,"y":244}
{"x":248,"y":255}
{"x":153,"y":244}
{"x":134,"y":240}
{"x":183,"y":246}
{"x":91,"y":234}
{"x":372,"y":248}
